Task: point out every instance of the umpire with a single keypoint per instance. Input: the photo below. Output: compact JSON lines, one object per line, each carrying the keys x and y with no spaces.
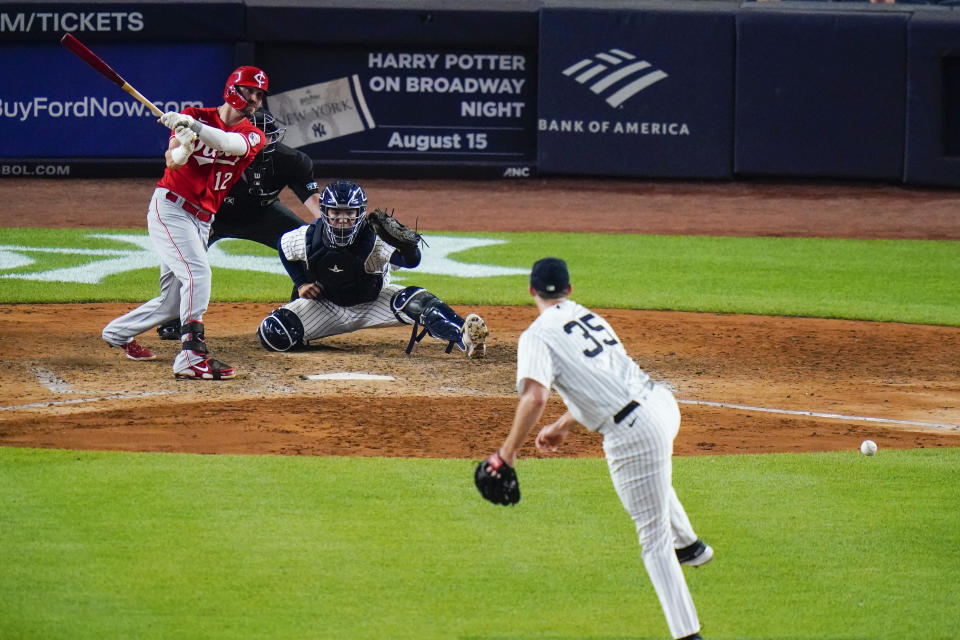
{"x":252,"y":210}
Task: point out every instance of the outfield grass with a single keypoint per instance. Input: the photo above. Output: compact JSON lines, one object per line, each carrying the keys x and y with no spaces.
{"x":887,"y":280}
{"x":119,"y":545}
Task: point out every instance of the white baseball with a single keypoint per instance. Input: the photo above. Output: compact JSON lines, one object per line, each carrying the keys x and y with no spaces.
{"x":868,"y":447}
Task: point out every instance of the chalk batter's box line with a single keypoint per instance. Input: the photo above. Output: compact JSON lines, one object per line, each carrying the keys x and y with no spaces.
{"x":704,"y":403}
{"x":817,"y":414}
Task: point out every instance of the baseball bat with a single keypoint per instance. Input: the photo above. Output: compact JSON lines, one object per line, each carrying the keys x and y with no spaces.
{"x":97,"y":63}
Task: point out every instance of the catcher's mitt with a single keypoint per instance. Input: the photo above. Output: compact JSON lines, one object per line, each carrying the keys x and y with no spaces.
{"x":497,"y":481}
{"x":392,"y":231}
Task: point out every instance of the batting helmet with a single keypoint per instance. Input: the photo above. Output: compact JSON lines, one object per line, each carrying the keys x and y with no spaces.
{"x":244,"y":77}
{"x":280,"y":331}
{"x":339,"y":196}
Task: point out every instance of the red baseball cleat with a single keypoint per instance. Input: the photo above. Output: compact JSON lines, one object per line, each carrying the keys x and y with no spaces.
{"x":207,"y":369}
{"x":135,"y":351}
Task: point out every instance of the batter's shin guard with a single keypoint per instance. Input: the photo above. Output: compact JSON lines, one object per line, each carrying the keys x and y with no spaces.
{"x":192,"y":337}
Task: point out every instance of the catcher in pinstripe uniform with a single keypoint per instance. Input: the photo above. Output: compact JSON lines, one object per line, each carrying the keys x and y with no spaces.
{"x":340,"y":265}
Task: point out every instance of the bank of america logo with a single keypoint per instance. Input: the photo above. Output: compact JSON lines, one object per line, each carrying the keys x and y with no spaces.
{"x":616,"y":72}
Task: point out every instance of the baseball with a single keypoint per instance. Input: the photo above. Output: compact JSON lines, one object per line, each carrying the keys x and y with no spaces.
{"x":868,"y":447}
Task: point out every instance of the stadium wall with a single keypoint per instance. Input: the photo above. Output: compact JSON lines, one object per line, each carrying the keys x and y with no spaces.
{"x":686,"y":89}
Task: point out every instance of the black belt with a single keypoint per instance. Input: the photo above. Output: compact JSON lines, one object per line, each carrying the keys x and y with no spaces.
{"x":623,"y":413}
{"x":189,"y":207}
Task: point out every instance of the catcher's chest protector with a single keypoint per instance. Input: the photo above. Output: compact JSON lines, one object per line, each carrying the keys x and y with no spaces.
{"x":343,"y":277}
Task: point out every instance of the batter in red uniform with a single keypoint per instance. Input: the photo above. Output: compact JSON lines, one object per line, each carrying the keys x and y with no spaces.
{"x":208,"y":152}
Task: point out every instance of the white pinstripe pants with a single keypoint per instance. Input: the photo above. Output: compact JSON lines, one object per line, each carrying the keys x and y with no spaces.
{"x":321,"y":318}
{"x":639,"y":458}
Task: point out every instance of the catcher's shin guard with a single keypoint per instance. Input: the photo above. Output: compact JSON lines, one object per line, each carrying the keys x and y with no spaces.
{"x":170,"y":330}
{"x":417,"y":306}
{"x":282,"y":330}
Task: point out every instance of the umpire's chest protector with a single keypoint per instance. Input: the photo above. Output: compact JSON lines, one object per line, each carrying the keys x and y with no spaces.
{"x":341,"y":270}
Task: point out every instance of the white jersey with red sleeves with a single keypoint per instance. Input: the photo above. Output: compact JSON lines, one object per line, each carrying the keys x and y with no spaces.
{"x":209,"y":174}
{"x":574,"y":350}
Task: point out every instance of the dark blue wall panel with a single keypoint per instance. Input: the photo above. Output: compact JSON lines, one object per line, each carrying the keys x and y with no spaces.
{"x":821,"y":94}
{"x":933,"y":100}
{"x":493,"y":22}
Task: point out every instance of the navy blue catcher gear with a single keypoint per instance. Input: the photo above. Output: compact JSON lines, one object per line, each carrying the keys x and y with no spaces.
{"x":343,"y":207}
{"x":280,"y":331}
{"x":417,"y":306}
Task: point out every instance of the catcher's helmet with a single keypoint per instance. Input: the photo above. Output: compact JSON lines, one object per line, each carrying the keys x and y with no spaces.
{"x":280,"y":331}
{"x":244,"y":77}
{"x":343,"y":207}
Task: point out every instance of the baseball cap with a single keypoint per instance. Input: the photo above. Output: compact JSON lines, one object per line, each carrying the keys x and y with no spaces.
{"x":549,"y":277}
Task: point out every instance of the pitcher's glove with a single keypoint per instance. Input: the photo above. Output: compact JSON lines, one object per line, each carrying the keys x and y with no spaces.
{"x":392,"y":231}
{"x":497,"y":481}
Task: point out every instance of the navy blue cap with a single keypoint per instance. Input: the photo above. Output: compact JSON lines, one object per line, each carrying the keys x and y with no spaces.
{"x":550,"y":278}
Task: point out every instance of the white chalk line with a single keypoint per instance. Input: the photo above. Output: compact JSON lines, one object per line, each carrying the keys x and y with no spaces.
{"x":51,"y":381}
{"x":705,"y":403}
{"x":348,"y":375}
{"x":112,"y":396}
{"x":817,"y":414}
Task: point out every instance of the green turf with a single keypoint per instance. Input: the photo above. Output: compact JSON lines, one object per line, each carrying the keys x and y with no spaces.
{"x":888,"y":280}
{"x":119,"y":545}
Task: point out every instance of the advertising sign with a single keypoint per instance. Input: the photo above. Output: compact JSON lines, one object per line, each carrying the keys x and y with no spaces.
{"x":45,"y":21}
{"x":52,"y":105}
{"x":636,"y":93}
{"x":427,"y":105}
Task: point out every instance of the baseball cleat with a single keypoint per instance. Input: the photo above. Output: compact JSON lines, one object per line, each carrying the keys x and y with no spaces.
{"x":475,"y":334}
{"x":135,"y":351}
{"x":696,"y":555}
{"x":206,"y":369}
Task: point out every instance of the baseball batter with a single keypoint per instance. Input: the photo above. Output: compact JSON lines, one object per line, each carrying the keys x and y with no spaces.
{"x":340,"y":266}
{"x":253,"y":210}
{"x":208,"y":151}
{"x":574,"y":350}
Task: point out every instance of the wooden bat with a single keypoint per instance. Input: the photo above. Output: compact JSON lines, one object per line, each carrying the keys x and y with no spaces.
{"x":94,"y":61}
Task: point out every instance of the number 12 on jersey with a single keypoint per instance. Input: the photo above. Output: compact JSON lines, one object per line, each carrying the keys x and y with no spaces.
{"x":221,"y":180}
{"x":586,"y":331}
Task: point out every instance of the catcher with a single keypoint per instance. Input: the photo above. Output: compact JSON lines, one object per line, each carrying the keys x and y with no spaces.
{"x":340,"y":265}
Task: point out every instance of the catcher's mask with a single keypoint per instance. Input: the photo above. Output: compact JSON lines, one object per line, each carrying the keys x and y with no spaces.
{"x":343,"y":207}
{"x":252,"y":77}
{"x":272,"y":129}
{"x":261,"y":168}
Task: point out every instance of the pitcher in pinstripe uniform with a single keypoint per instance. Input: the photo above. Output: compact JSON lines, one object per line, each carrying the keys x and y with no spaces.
{"x":574,"y":350}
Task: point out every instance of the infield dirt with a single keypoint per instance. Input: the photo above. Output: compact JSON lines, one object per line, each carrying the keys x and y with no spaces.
{"x":64,"y":388}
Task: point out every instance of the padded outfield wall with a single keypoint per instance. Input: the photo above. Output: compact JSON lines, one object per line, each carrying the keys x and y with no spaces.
{"x":689,"y":89}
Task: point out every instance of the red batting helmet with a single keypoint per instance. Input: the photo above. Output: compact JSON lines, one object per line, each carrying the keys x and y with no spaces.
{"x":244,"y":77}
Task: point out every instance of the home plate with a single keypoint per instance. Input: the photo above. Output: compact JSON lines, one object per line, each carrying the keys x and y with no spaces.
{"x":347,"y":375}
